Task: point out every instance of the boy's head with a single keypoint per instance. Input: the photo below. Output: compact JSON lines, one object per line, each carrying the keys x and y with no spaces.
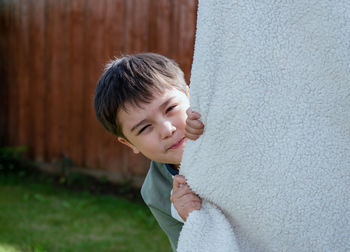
{"x":142,"y":99}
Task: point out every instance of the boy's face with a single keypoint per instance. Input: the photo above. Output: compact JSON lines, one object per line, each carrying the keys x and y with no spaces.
{"x":157,"y":128}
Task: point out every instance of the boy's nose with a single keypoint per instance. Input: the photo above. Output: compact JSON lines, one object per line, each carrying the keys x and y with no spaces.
{"x":167,"y":129}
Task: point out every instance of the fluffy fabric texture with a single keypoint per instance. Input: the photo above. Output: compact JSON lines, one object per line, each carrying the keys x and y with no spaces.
{"x":207,"y":230}
{"x":271,"y":80}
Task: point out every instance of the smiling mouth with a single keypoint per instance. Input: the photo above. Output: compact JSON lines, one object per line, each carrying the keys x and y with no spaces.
{"x":178,"y":144}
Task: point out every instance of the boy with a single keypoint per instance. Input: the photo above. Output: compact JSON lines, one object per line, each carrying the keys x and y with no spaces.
{"x":143,"y":99}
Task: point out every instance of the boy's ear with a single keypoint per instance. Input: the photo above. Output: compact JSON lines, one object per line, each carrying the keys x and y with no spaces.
{"x":131,"y":146}
{"x":188,"y":91}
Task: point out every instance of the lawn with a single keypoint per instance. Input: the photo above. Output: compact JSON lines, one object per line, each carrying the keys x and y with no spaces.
{"x":38,"y":216}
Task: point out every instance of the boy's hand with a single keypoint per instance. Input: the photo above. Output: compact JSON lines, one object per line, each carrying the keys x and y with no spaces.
{"x":194,"y":127}
{"x":184,"y":200}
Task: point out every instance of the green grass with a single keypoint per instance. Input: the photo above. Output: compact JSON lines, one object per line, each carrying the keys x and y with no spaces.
{"x":37,"y":216}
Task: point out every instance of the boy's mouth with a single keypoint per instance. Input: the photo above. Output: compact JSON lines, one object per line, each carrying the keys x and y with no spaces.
{"x":177,"y":144}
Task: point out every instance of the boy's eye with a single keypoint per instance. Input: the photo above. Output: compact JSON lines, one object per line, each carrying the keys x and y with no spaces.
{"x":144,"y":128}
{"x":170,"y":108}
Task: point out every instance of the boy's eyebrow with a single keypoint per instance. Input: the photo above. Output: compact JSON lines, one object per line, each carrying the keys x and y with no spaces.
{"x":165,"y":104}
{"x":162,"y":106}
{"x":138,"y":124}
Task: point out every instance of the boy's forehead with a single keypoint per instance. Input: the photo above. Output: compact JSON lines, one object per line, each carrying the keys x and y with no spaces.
{"x":136,"y":111}
{"x":132,"y":108}
{"x":158,"y":96}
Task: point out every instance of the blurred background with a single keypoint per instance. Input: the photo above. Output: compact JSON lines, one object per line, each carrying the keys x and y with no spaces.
{"x":52,"y":53}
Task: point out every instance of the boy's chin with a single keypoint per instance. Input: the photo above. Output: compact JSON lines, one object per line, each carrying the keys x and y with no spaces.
{"x":174,"y":159}
{"x":170,"y":161}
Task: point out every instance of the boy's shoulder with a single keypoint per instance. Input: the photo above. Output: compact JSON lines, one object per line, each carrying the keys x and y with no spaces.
{"x":158,"y":183}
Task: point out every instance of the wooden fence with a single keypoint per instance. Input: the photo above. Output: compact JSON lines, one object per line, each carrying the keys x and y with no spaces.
{"x":52,"y":54}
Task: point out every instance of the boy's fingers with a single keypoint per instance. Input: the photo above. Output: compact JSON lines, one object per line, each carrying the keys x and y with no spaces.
{"x":191,"y":137}
{"x":189,"y":197}
{"x":197,"y":124}
{"x":178,"y":180}
{"x":185,"y":194}
{"x":180,"y":193}
{"x":192,"y":114}
{"x":194,"y":131}
{"x":193,"y":197}
{"x":196,"y":205}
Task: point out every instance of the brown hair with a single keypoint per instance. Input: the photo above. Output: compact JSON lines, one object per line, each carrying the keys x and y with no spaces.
{"x":133,"y":79}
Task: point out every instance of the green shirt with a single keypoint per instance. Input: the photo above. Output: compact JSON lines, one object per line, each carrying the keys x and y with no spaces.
{"x":155,"y":192}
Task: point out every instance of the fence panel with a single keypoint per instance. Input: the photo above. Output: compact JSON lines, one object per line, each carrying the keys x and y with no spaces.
{"x":51,"y":58}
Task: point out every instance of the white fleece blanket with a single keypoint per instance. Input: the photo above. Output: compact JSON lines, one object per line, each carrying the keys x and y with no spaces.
{"x":271,"y":80}
{"x":207,"y":230}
